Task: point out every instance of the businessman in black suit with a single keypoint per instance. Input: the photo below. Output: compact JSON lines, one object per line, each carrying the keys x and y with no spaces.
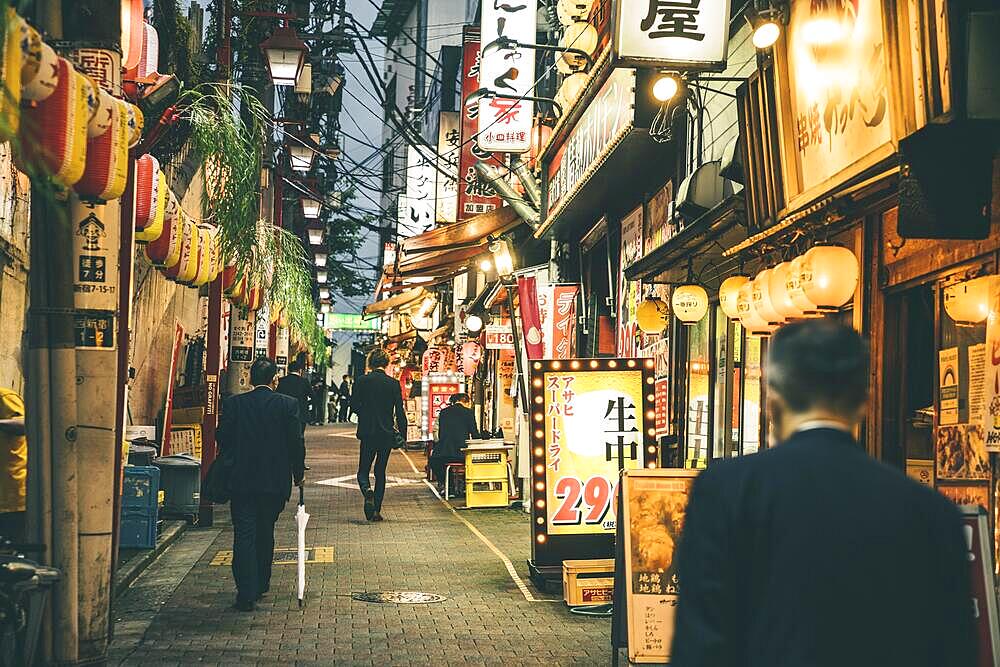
{"x":261,"y":430}
{"x":378,"y":402}
{"x":812,"y":554}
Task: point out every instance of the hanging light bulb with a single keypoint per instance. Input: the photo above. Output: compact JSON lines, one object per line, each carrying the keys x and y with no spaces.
{"x":690,"y":303}
{"x":666,"y":87}
{"x":778,"y":287}
{"x":766,"y":28}
{"x":968,"y":302}
{"x":729,"y":291}
{"x":474,"y":323}
{"x":760,"y":292}
{"x":829,"y":276}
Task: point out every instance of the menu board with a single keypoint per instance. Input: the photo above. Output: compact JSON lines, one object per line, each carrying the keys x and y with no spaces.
{"x":655,"y":504}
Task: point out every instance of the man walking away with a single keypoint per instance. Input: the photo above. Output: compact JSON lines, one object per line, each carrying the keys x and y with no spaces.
{"x":298,"y":387}
{"x":378,"y":402}
{"x":811,"y":553}
{"x":262,"y":431}
{"x":345,"y":399}
{"x":455,"y":425}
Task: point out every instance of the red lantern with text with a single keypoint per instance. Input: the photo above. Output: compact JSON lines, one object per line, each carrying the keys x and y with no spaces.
{"x":471,"y":354}
{"x":54,"y":131}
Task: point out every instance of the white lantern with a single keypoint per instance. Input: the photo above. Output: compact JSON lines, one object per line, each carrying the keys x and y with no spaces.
{"x":729,"y":290}
{"x":572,"y":86}
{"x":315,"y":235}
{"x":760,"y":293}
{"x":689,"y":303}
{"x":749,"y":318}
{"x":829,"y":276}
{"x":324,"y":293}
{"x":320,"y":259}
{"x":321,"y":277}
{"x":968,"y":302}
{"x":285,"y":54}
{"x":793,"y":284}
{"x":503,"y":260}
{"x":579,"y":35}
{"x":311,"y":208}
{"x":777,"y":282}
{"x":569,"y":11}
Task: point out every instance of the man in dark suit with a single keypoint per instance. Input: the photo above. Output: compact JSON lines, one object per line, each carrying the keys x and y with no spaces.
{"x":455,"y":425}
{"x":378,"y":402}
{"x":297,"y":387}
{"x":812,"y":554}
{"x":261,"y":430}
{"x":345,"y":399}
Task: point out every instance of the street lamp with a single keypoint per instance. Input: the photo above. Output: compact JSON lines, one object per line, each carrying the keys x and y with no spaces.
{"x":311,"y":207}
{"x":304,"y":84}
{"x":666,"y":87}
{"x":300,"y":153}
{"x":321,"y":277}
{"x":285,"y":54}
{"x":502,"y":258}
{"x":320,"y":259}
{"x":324,"y":293}
{"x":766,"y":28}
{"x":315,"y":235}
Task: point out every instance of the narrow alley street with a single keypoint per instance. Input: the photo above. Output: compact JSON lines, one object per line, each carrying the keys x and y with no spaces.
{"x":179,"y":611}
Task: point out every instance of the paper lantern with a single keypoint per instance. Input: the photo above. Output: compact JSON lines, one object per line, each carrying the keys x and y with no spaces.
{"x":231,"y":280}
{"x":39,"y":69}
{"x":572,"y":86}
{"x":760,"y":293}
{"x":54,"y":131}
{"x":12,"y":59}
{"x":651,"y":315}
{"x":106,"y":171}
{"x":136,"y":121}
{"x":777,"y":282}
{"x":968,"y":302}
{"x":471,"y":354}
{"x":829,"y":275}
{"x":150,"y":198}
{"x":578,"y":35}
{"x":186,"y":267}
{"x":133,"y":31}
{"x":570,"y":11}
{"x":690,"y":303}
{"x":165,"y":251}
{"x":749,"y":318}
{"x":729,"y":290}
{"x":149,"y":61}
{"x":206,"y":240}
{"x":793,"y":284}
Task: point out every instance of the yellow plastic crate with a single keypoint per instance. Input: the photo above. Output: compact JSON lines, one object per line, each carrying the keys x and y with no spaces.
{"x":487,"y":493}
{"x":588,"y":582}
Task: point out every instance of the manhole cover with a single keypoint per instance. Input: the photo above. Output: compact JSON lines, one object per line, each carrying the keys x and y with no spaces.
{"x":398,"y":597}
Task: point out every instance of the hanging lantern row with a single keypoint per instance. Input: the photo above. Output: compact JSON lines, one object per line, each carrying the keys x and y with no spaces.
{"x":241,"y":288}
{"x":811,"y":285}
{"x":66,"y":124}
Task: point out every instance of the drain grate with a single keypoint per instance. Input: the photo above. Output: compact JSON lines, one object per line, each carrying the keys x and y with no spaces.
{"x":398,"y":597}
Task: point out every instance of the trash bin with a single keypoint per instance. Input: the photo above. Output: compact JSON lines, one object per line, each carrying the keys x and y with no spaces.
{"x":141,"y":454}
{"x":32,"y":593}
{"x":180,"y":480}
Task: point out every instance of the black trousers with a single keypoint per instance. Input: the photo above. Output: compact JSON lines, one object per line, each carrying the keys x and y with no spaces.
{"x":253,"y":542}
{"x":438,"y":464}
{"x":345,"y":410}
{"x":377,"y":452}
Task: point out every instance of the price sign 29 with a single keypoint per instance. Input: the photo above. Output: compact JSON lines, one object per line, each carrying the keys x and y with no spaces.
{"x":586,"y":502}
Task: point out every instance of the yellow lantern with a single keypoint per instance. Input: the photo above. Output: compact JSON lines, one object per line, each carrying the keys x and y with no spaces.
{"x":689,"y":303}
{"x":793,"y":284}
{"x":729,"y":291}
{"x":651,"y":315}
{"x":968,"y":302}
{"x":777,"y":282}
{"x":749,"y":317}
{"x":829,"y":276}
{"x":760,"y":293}
{"x":12,"y":61}
{"x":572,"y":86}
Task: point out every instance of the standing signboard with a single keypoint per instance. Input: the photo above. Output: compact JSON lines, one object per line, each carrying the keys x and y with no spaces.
{"x":654,"y":505}
{"x":590,"y":418}
{"x":475,"y":194}
{"x":508,"y":71}
{"x":436,"y":390}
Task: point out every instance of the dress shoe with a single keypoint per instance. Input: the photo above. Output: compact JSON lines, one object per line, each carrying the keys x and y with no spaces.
{"x":378,"y":517}
{"x":369,"y":504}
{"x":244,"y":605}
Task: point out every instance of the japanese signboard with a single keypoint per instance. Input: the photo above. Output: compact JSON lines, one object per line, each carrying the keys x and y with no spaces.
{"x":591,"y":418}
{"x":351,"y":322}
{"x":662,"y":391}
{"x":240,"y":335}
{"x":436,"y":390}
{"x":95,"y":329}
{"x":262,"y":332}
{"x":839,"y":94}
{"x":420,"y":189}
{"x":95,"y":257}
{"x":449,"y":148}
{"x":688,"y":34}
{"x":281,"y":349}
{"x":655,"y":504}
{"x":629,"y":336}
{"x":557,"y":309}
{"x":475,"y":195}
{"x":606,"y":119}
{"x":991,"y":400}
{"x":508,"y":72}
{"x":499,"y":336}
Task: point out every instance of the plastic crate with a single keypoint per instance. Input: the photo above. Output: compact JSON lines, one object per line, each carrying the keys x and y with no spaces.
{"x":140,"y":487}
{"x":486,"y":493}
{"x":138,"y":529}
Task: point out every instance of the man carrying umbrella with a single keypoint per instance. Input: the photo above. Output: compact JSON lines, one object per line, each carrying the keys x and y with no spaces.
{"x":261,"y":431}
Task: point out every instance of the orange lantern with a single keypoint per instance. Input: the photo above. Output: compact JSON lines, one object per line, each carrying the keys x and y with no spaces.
{"x":540,"y":135}
{"x":107,"y":151}
{"x":150,"y":198}
{"x":12,"y":61}
{"x":206,"y":243}
{"x":231,"y":280}
{"x":54,"y":132}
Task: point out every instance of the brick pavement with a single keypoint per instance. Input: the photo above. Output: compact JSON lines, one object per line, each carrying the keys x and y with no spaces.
{"x":178,"y":612}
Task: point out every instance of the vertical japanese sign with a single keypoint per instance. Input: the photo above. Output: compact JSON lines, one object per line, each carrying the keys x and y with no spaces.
{"x":475,"y":195}
{"x":241,"y":333}
{"x":262,"y":332}
{"x":655,"y":503}
{"x":95,"y":274}
{"x":991,"y":399}
{"x":693,"y":34}
{"x":629,"y":292}
{"x":281,"y":349}
{"x":590,"y":418}
{"x":557,"y":308}
{"x":508,"y":72}
{"x":449,"y":149}
{"x":420,"y":184}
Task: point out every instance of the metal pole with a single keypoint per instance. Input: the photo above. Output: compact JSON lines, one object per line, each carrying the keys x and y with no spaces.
{"x":213,"y":341}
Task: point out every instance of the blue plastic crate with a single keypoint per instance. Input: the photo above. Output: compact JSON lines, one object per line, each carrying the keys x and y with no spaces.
{"x":140,"y":487}
{"x":138,"y":529}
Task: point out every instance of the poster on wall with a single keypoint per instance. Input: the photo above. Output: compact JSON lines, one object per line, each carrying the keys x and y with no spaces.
{"x":659,"y":226}
{"x":977,"y":382}
{"x":655,"y":504}
{"x":591,"y":418}
{"x":839,"y":91}
{"x":629,"y":338}
{"x":948,"y":385}
{"x":960,"y":452}
{"x":991,"y":369}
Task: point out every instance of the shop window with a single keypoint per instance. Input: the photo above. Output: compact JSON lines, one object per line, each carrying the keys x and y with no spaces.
{"x":698,"y":384}
{"x":752,"y":395}
{"x":597,"y":338}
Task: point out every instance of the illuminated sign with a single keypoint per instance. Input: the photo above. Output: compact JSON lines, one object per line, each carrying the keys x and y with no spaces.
{"x":590,"y":418}
{"x":351,"y":322}
{"x":683,"y":34}
{"x":418,"y":214}
{"x":449,"y":148}
{"x":436,"y":389}
{"x":508,"y":72}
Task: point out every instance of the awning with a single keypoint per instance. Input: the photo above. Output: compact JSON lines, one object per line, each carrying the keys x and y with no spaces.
{"x":401,"y":300}
{"x":433,"y":264}
{"x":443,"y":330}
{"x":474,"y":232}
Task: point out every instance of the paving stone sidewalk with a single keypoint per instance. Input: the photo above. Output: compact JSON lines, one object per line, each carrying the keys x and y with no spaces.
{"x":179,"y":611}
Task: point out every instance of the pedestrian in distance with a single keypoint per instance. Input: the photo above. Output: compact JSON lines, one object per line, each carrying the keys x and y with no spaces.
{"x":454,"y":426}
{"x":344,"y":391}
{"x":811,"y":553}
{"x":262,"y":431}
{"x":378,"y":402}
{"x":295,"y":385}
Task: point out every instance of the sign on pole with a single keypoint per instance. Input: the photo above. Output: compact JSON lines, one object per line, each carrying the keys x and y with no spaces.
{"x":449,"y":149}
{"x":505,"y":118}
